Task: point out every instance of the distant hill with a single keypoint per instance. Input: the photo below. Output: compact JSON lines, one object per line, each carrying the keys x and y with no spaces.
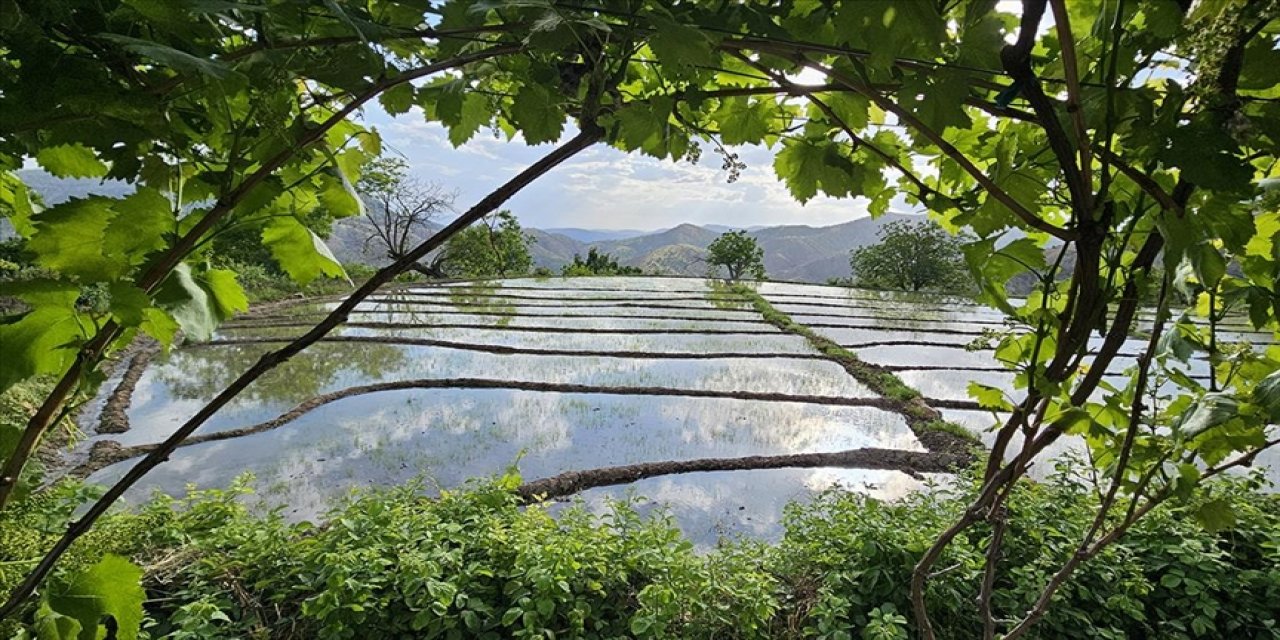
{"x":791,"y":252}
{"x":596,"y":235}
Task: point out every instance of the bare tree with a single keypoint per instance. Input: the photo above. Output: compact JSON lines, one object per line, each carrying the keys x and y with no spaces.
{"x":401,"y":209}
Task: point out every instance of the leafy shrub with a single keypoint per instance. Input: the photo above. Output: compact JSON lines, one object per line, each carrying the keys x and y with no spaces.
{"x":475,"y":563}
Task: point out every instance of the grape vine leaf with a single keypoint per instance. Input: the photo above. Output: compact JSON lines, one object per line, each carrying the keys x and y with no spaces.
{"x":188,"y":304}
{"x":112,"y":587}
{"x":71,"y":161}
{"x":44,"y":339}
{"x":1216,"y":515}
{"x":1267,"y":395}
{"x":807,"y":166}
{"x":743,"y":121}
{"x":680,"y":48}
{"x":536,"y":112}
{"x":68,"y":238}
{"x":397,"y":99}
{"x":299,"y":251}
{"x":227,"y":295}
{"x":51,"y":625}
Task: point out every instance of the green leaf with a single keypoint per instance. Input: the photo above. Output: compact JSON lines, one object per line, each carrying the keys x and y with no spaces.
{"x":188,"y":304}
{"x":45,"y":339}
{"x":853,"y":109}
{"x":680,"y":48}
{"x":536,"y":112}
{"x":1210,"y":410}
{"x":159,"y":325}
{"x":808,"y":166}
{"x":128,"y":303}
{"x":51,"y":625}
{"x":459,"y":108}
{"x":227,"y":295}
{"x":989,"y":397}
{"x":1216,"y":515}
{"x":743,"y":121}
{"x":20,"y":208}
{"x":138,"y":227}
{"x":1207,"y":156}
{"x":397,"y":99}
{"x":112,"y":587}
{"x":646,"y":125}
{"x":1208,"y":263}
{"x":937,"y":100}
{"x":299,"y":251}
{"x":71,"y":161}
{"x":338,"y":196}
{"x":170,"y":57}
{"x":1267,"y":395}
{"x":99,"y":239}
{"x":68,"y":238}
{"x":473,"y":113}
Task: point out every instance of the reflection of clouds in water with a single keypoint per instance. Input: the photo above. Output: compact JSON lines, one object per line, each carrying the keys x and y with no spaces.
{"x":710,"y":505}
{"x":451,"y":435}
{"x":447,"y":309}
{"x":917,"y":355}
{"x":789,"y":427}
{"x":881,"y":485}
{"x":981,"y":423}
{"x":166,"y":396}
{"x":649,"y":343}
{"x":618,"y":283}
{"x":564,"y":323}
{"x":954,"y":384}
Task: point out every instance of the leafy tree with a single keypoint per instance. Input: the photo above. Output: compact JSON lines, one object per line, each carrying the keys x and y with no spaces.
{"x":494,"y":246}
{"x":739,"y":254}
{"x":911,"y":256}
{"x":598,"y":263}
{"x":402,"y":211}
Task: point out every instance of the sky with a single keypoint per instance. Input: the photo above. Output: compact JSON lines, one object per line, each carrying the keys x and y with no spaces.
{"x":603,"y":188}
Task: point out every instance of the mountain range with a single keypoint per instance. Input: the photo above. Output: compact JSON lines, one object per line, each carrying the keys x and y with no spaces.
{"x":791,"y":252}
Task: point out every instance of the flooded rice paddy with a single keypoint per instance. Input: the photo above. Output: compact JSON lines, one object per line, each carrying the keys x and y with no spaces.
{"x":451,"y":382}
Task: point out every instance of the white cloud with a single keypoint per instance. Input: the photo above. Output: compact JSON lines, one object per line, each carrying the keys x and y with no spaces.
{"x":606,"y":188}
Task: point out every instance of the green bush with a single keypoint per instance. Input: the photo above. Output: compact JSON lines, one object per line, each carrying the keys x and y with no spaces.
{"x":475,"y":563}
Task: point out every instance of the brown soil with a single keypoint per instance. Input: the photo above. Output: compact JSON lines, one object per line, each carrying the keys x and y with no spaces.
{"x":115,"y":411}
{"x":569,"y":483}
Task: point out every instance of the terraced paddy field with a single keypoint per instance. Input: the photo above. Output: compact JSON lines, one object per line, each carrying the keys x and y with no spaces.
{"x":678,"y":392}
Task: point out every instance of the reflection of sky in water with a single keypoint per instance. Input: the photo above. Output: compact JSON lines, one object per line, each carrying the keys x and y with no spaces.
{"x":171,"y":391}
{"x":569,"y":340}
{"x":612,"y":283}
{"x":502,"y":321}
{"x":445,"y":310}
{"x":710,"y":505}
{"x":452,"y":435}
{"x":981,"y":423}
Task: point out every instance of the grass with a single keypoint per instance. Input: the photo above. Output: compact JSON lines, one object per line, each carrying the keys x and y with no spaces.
{"x":920,"y":417}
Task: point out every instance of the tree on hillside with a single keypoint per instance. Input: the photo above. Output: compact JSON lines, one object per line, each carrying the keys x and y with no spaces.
{"x":739,"y":254}
{"x":495,"y":246}
{"x":911,"y":256}
{"x":597,"y":263}
{"x":401,"y":210}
